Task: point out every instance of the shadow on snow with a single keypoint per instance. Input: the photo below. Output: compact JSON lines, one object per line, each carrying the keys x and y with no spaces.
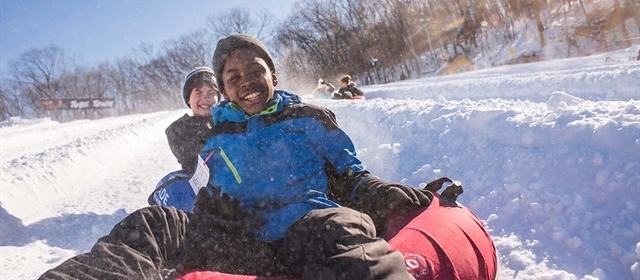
{"x":76,"y":232}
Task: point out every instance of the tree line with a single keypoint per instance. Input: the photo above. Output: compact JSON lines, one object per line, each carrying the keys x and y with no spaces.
{"x":379,"y":40}
{"x":382,"y":39}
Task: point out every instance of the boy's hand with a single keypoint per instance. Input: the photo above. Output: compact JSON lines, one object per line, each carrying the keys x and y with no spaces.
{"x":405,"y":199}
{"x":392,"y":196}
{"x":452,"y":192}
{"x":436,"y":185}
{"x":222,"y":210}
{"x":379,"y":199}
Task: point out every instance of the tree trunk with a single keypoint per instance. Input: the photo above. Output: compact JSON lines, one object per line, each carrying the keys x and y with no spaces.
{"x":536,"y":14}
{"x":566,"y":28}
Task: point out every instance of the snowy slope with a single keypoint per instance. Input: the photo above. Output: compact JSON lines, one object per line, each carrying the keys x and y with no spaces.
{"x":549,"y":154}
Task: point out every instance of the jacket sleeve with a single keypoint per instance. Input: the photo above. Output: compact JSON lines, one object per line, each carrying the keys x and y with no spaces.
{"x":175,"y":138}
{"x":186,"y":137}
{"x":341,"y":164}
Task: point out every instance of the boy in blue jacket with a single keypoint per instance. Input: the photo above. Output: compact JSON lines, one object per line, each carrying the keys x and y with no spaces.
{"x":280,"y":173}
{"x":273,"y":159}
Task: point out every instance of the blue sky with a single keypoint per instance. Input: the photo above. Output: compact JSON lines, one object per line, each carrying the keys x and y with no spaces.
{"x":103,"y":30}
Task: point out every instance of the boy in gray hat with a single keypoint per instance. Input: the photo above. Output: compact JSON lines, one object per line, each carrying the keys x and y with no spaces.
{"x":187,"y":134}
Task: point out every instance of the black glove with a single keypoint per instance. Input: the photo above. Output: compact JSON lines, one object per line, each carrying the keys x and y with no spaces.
{"x":451,"y":193}
{"x":392,"y":196}
{"x":436,"y":185}
{"x":222,"y":210}
{"x":378,"y":199}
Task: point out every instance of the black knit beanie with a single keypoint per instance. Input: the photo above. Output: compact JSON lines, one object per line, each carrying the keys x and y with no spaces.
{"x":194,"y":78}
{"x":238,"y":41}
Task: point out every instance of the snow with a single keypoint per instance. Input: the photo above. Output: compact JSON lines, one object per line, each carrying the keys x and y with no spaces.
{"x":548,"y":153}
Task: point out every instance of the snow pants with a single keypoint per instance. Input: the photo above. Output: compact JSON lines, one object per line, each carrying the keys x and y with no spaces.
{"x":158,"y":243}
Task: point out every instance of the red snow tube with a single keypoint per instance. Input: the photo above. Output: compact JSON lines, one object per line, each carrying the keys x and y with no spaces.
{"x":444,"y":242}
{"x":212,"y":275}
{"x":441,"y":242}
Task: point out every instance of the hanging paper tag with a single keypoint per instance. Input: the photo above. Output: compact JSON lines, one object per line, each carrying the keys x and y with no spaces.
{"x":200,"y":178}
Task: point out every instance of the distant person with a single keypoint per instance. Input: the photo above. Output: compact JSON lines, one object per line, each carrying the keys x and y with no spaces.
{"x":187,"y":134}
{"x":638,"y":58}
{"x":348,"y":89}
{"x":402,"y":76}
{"x":324,"y":90}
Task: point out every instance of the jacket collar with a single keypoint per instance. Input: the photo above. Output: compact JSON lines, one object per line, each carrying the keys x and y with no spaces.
{"x":229,"y":111}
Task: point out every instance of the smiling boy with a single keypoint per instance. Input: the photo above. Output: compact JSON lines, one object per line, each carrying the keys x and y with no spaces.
{"x":274,"y":163}
{"x":187,"y":134}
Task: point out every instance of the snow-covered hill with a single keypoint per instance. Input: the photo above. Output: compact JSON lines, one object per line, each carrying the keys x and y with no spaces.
{"x":549,"y":154}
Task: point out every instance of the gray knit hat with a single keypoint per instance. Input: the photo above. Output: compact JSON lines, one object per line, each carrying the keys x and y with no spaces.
{"x":238,"y":41}
{"x":194,"y":78}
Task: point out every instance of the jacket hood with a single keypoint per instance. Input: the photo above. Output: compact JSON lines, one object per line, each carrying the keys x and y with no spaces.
{"x":229,"y":111}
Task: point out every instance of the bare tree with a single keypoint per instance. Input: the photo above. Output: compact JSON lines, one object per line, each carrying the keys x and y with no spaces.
{"x":38,"y":74}
{"x":163,"y":73}
{"x":124,"y":77}
{"x":191,"y":50}
{"x":9,"y":102}
{"x":241,"y":20}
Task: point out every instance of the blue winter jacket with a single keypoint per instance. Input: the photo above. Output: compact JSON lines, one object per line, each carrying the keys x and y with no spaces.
{"x":274,"y":162}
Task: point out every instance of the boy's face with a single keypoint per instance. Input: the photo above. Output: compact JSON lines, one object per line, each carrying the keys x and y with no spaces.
{"x":202,"y":99}
{"x":248,"y":81}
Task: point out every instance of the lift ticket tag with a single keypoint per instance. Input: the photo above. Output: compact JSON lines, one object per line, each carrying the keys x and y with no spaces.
{"x":200,"y":178}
